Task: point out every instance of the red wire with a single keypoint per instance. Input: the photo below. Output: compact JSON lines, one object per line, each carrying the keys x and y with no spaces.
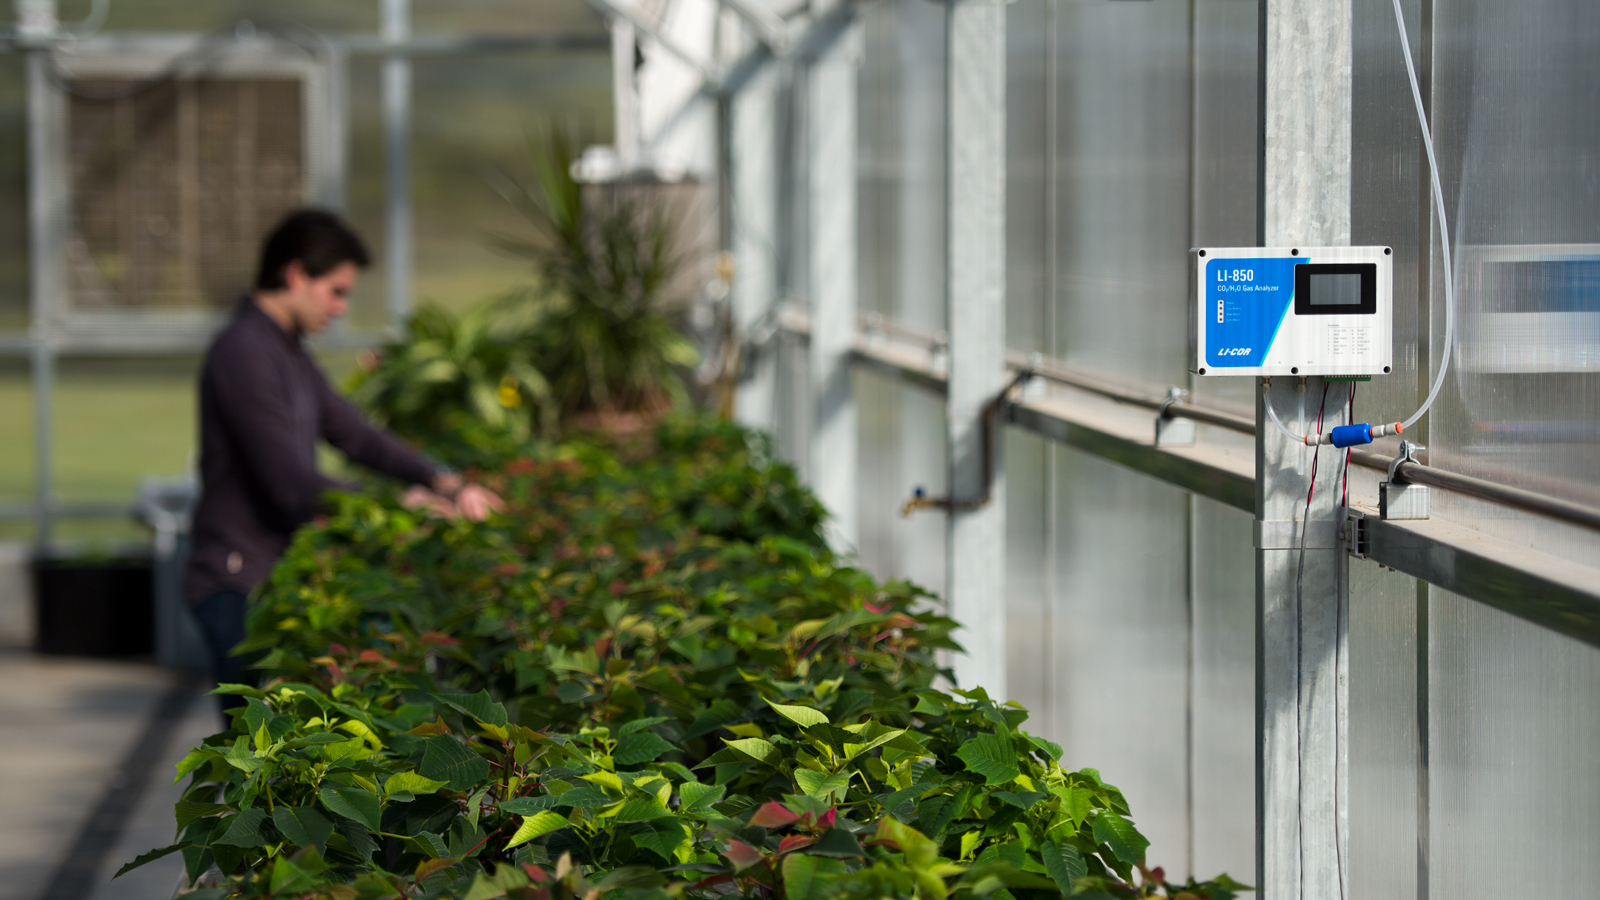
{"x":1321,"y":406}
{"x":1349,"y":421}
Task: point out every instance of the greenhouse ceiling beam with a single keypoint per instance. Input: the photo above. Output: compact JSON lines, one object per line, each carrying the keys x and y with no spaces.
{"x":446,"y":44}
{"x":710,"y":72}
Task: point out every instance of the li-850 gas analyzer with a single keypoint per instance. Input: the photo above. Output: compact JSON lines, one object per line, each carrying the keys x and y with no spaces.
{"x":1291,"y":311}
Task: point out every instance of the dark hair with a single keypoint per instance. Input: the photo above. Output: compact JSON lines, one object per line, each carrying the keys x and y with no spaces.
{"x":318,"y":239}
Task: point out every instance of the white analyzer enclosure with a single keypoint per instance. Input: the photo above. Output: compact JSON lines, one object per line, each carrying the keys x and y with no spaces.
{"x":1291,"y":311}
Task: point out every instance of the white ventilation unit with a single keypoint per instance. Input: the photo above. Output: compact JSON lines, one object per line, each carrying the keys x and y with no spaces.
{"x":170,"y":158}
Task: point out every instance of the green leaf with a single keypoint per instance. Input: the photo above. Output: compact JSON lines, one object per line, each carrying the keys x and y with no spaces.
{"x":935,"y":813}
{"x":836,"y":842}
{"x":411,"y":783}
{"x":527,"y":806}
{"x":1024,"y":800}
{"x":804,"y":877}
{"x":445,"y":759}
{"x":718,"y":714}
{"x":244,"y":830}
{"x":640,"y":748}
{"x":1078,"y":802}
{"x":537,"y":825}
{"x":148,"y":856}
{"x":822,"y":785}
{"x":303,"y":825}
{"x":660,"y":836}
{"x":641,"y":724}
{"x":1119,"y":834}
{"x":696,"y":796}
{"x":1049,"y":748}
{"x":804,"y":716}
{"x":757,"y":750}
{"x":1064,"y":864}
{"x":642,"y":809}
{"x":584,"y":797}
{"x":353,"y":803}
{"x":478,"y":706}
{"x":360,"y":841}
{"x":186,"y":811}
{"x":992,"y":756}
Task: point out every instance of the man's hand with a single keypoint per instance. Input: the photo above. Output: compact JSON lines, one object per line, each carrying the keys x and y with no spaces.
{"x":451,"y":497}
{"x":475,"y":502}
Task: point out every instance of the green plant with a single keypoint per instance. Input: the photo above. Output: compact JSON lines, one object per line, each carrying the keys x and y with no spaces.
{"x":661,"y":686}
{"x":464,"y":385}
{"x":604,"y":325}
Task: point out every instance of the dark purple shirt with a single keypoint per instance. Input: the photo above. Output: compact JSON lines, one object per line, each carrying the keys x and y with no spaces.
{"x":263,"y":405}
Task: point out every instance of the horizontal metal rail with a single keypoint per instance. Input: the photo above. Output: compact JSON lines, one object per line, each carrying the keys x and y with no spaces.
{"x":69,"y":509}
{"x":1538,"y":587}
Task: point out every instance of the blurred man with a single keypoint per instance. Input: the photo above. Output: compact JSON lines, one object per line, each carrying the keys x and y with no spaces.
{"x":263,"y":405}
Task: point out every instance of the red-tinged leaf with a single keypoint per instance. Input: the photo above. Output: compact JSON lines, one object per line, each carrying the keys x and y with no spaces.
{"x":431,"y":866}
{"x":431,"y":728}
{"x":795,"y":842}
{"x":710,"y":881}
{"x":828,"y":819}
{"x":536,"y":873}
{"x":618,"y":587}
{"x":878,"y":608}
{"x":336,"y":648}
{"x":743,"y":856}
{"x":428,"y":638}
{"x":773,"y":815}
{"x":1158,"y":875}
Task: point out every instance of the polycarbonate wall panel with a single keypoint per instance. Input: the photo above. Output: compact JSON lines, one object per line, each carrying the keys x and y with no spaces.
{"x":1123,"y":187}
{"x":902,"y":447}
{"x":1029,"y":117}
{"x":1223,"y":745}
{"x":1119,"y":638}
{"x":901,"y":163}
{"x":1030,"y":645}
{"x":1514,"y":99}
{"x":1383,"y":732}
{"x":1227,"y":152}
{"x":1515,"y":776}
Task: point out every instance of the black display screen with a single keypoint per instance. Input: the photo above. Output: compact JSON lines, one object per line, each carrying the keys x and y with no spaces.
{"x":1335,"y":289}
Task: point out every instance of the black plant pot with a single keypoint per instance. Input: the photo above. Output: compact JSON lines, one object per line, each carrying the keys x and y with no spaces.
{"x":94,"y":607}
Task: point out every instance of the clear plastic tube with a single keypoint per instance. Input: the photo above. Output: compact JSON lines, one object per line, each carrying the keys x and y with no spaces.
{"x":1444,"y":246}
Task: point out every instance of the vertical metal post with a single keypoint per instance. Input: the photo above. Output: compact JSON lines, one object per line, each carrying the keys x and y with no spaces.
{"x":753,"y":207}
{"x":625,"y":91}
{"x":975,"y":284}
{"x":831,"y":127}
{"x":45,"y":227}
{"x":396,"y":29}
{"x":1301,"y":738}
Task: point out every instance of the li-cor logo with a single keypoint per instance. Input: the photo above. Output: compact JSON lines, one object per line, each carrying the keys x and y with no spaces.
{"x":1234,"y":351}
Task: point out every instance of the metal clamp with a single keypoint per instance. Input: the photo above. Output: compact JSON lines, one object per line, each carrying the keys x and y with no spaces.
{"x":1408,"y":453}
{"x":1171,"y":431}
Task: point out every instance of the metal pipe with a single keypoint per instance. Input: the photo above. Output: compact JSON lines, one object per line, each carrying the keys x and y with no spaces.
{"x":44,"y":212}
{"x":396,"y":30}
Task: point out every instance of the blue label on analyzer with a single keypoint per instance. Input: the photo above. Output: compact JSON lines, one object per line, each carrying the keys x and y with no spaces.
{"x":1246,"y":300}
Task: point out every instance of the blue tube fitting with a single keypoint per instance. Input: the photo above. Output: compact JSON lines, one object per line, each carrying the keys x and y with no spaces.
{"x":1350,"y":435}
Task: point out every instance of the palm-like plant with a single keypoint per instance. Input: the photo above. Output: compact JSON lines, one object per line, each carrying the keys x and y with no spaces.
{"x":605,"y":326}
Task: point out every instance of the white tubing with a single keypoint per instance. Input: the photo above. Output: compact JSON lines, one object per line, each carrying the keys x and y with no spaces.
{"x":1444,"y":242}
{"x":1444,"y":228}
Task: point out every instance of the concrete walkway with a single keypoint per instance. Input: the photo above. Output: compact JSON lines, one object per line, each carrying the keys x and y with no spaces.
{"x":75,"y":735}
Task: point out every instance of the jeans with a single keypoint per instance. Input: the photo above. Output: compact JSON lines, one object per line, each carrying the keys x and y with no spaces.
{"x":221,"y":618}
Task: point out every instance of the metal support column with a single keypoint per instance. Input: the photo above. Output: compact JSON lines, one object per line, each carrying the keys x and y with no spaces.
{"x":46,"y":226}
{"x":396,"y":29}
{"x":831,"y":127}
{"x":975,"y":283}
{"x":753,"y":208}
{"x":1301,"y":616}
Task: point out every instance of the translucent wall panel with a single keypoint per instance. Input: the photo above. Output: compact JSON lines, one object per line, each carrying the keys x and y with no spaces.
{"x":1514,"y":91}
{"x":902,"y":447}
{"x":1383,"y":732}
{"x":1226,"y":150}
{"x":901,"y":163}
{"x":1513,"y":732}
{"x":1223,"y":714}
{"x":1030,"y":644}
{"x":1124,"y":188}
{"x":1119,"y":636}
{"x":1030,"y":116}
